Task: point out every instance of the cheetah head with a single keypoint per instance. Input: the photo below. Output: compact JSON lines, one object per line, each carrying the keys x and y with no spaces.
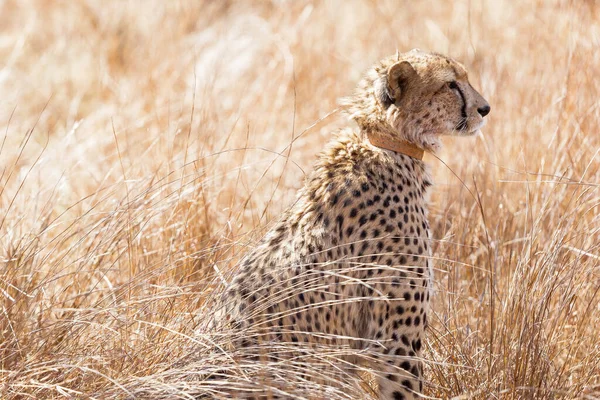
{"x":418,"y":97}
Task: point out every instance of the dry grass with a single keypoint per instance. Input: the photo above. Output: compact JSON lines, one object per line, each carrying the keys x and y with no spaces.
{"x":146,"y":145}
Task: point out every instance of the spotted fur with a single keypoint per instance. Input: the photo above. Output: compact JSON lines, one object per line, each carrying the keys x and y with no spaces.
{"x":349,"y":263}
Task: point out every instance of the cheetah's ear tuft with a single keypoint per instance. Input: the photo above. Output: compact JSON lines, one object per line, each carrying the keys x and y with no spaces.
{"x":399,"y":76}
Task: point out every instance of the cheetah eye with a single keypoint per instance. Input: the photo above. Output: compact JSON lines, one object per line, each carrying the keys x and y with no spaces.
{"x":453,"y":85}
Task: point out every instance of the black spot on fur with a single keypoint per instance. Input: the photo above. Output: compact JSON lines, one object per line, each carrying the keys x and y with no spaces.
{"x":405,"y":341}
{"x":399,"y":396}
{"x":417,"y":344}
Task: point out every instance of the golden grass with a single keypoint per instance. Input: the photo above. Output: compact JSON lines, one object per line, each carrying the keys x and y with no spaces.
{"x":146,"y":145}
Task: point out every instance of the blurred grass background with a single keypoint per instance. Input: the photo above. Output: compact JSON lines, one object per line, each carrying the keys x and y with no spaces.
{"x":145,"y":145}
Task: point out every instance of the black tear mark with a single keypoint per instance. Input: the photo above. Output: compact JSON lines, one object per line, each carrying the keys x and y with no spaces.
{"x":463,"y":122}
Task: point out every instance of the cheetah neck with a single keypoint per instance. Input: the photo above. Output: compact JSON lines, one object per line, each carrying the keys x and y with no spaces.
{"x":397,"y":146}
{"x":351,"y":150}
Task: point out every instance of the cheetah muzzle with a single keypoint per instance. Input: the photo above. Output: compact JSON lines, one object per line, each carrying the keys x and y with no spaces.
{"x":344,"y":277}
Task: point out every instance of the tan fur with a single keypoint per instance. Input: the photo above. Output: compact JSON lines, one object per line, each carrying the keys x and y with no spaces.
{"x":348,"y":265}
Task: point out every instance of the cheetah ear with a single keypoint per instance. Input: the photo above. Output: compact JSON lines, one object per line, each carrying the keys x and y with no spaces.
{"x":399,"y":76}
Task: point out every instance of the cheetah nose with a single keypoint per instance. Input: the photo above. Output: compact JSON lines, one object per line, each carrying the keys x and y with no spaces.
{"x":483,"y":111}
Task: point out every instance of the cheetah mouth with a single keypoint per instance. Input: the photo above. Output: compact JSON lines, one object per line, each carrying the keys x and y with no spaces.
{"x":462,"y":128}
{"x":470,"y":130}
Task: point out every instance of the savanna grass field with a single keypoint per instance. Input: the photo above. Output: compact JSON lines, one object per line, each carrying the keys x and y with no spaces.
{"x":146,"y":146}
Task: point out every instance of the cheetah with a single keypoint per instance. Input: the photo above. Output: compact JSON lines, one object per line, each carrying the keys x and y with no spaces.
{"x":349,"y":263}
